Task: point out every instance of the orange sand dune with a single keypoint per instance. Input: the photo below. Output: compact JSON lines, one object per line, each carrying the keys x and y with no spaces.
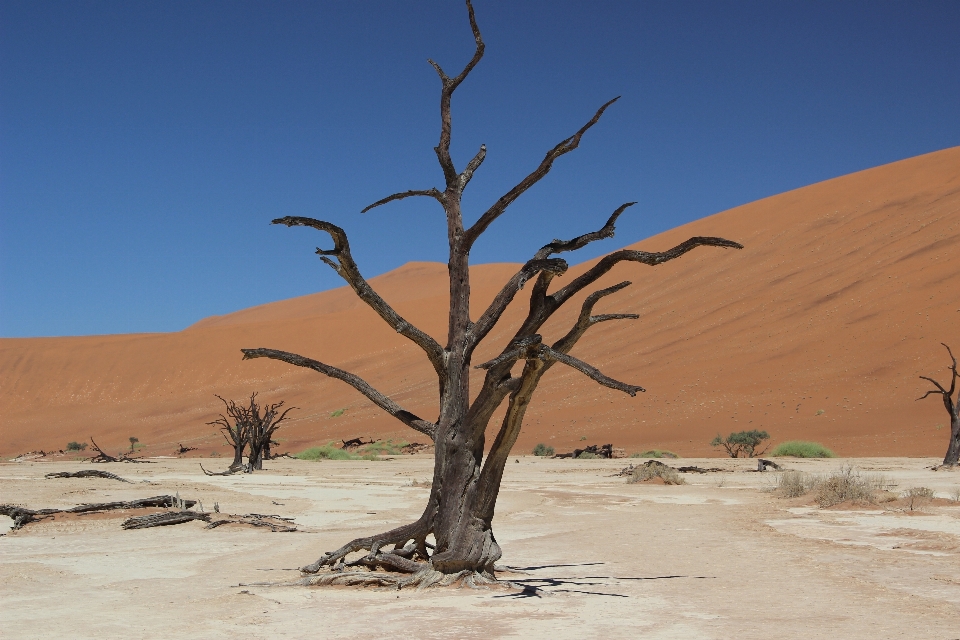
{"x":817,"y":330}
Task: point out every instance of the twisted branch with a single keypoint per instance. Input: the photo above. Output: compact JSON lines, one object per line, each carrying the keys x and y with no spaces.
{"x":414,"y":422}
{"x":565,"y":146}
{"x":347,"y":269}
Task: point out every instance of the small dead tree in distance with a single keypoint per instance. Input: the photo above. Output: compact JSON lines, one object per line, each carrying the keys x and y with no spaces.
{"x":463,"y":496}
{"x":953,"y":408}
{"x":235,"y":428}
{"x":251,"y":426}
{"x":262,"y":429}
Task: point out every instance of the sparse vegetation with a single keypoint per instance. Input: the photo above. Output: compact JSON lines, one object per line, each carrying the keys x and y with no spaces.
{"x":841,"y":486}
{"x":133,"y":442}
{"x":587,"y":455}
{"x":337,"y":413}
{"x":543,"y":450}
{"x":917,"y":495}
{"x":332,"y":452}
{"x":76,"y":446}
{"x":802,"y":449}
{"x":652,"y":469}
{"x":655,"y":453}
{"x":382,"y":448}
{"x":955,"y":496}
{"x":742,"y":442}
{"x":582,"y":438}
{"x":793,"y":484}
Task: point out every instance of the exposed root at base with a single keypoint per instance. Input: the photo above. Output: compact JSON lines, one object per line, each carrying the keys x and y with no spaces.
{"x":425,"y":578}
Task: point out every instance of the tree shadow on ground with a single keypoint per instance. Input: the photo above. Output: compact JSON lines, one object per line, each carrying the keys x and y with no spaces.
{"x":534,"y":587}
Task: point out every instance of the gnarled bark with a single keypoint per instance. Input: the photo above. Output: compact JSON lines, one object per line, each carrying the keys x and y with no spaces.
{"x":460,"y":509}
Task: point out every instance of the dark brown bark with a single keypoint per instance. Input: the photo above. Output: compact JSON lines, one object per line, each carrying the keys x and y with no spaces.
{"x":952,"y":405}
{"x":460,"y":509}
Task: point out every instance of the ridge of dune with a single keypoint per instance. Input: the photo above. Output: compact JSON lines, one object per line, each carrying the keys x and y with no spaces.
{"x":818,"y":330}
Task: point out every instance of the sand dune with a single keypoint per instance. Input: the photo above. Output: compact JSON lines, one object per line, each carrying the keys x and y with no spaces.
{"x":817,"y":330}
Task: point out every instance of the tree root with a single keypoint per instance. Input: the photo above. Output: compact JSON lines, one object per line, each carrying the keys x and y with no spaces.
{"x":87,"y":473}
{"x":424,"y":578}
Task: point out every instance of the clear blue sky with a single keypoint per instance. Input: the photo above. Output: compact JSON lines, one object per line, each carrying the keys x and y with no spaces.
{"x":145,"y":146}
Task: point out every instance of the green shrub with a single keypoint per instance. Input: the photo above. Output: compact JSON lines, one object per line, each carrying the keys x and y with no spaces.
{"x":337,"y":413}
{"x":801,"y":449}
{"x":586,"y":455}
{"x":76,"y":446}
{"x":543,"y":450}
{"x":381,"y":448}
{"x":655,"y":453}
{"x":332,"y":452}
{"x":655,"y":469}
{"x":745,"y":442}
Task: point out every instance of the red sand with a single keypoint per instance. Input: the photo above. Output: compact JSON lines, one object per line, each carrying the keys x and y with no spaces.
{"x":838,"y":302}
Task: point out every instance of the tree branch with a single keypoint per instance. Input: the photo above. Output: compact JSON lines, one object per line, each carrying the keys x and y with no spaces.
{"x":565,"y":146}
{"x":627,"y":255}
{"x":589,"y":371}
{"x":449,"y":85}
{"x":433,"y":193}
{"x":500,"y":303}
{"x":414,"y":422}
{"x":347,"y":269}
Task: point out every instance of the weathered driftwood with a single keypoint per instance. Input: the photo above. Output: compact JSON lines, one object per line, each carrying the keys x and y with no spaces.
{"x":762,"y":465}
{"x":87,"y":473}
{"x":22,"y":516}
{"x":694,"y":469}
{"x":229,"y":472}
{"x":182,"y":449}
{"x":274,"y":523}
{"x":163,"y":519}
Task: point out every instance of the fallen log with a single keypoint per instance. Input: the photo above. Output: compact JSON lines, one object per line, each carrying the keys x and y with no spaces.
{"x":256,"y":520}
{"x":163,"y":519}
{"x":22,"y":516}
{"x":699,"y":470}
{"x":87,"y":473}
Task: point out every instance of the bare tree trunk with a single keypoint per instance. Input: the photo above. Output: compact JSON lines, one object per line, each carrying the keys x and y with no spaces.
{"x":952,"y":405}
{"x":460,"y":509}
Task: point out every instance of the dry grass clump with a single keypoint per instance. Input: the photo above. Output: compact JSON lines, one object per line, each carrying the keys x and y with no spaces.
{"x":917,"y":495}
{"x":842,"y":486}
{"x":793,"y":484}
{"x":654,"y":469}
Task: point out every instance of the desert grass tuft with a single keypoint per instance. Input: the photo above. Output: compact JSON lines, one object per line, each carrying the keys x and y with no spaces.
{"x":842,"y":486}
{"x":793,"y":484}
{"x":917,"y":495}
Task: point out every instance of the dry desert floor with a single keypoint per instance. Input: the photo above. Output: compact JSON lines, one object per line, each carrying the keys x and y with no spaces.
{"x":722,"y":556}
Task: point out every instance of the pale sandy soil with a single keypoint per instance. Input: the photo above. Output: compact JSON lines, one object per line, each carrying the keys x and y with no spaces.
{"x":721,"y":557}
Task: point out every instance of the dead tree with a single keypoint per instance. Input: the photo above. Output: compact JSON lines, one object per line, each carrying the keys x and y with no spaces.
{"x":249,"y":425}
{"x":953,"y":408}
{"x":235,"y":427}
{"x":262,"y":430}
{"x":460,"y":509}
